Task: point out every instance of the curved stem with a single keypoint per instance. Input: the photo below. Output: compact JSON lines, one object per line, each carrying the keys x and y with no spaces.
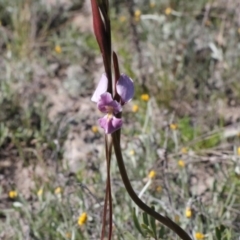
{"x":164,"y":220}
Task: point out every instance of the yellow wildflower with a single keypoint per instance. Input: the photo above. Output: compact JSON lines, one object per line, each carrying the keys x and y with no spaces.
{"x":82,"y":219}
{"x":168,"y":11}
{"x":12,"y":194}
{"x":145,"y":97}
{"x":177,"y":218}
{"x":95,"y":129}
{"x":152,"y":174}
{"x":122,"y":19}
{"x":135,"y":108}
{"x":208,"y":23}
{"x":137,"y":15}
{"x":188,"y":212}
{"x":159,"y":189}
{"x":68,"y":235}
{"x":199,"y":235}
{"x":184,"y":150}
{"x":238,"y":150}
{"x":152,"y":4}
{"x":58,"y":190}
{"x":58,"y":49}
{"x":132,"y":152}
{"x":173,"y":126}
{"x":181,"y":163}
{"x":40,"y":192}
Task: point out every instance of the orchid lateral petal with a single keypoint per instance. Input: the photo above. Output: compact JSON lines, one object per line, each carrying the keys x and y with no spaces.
{"x":101,"y":88}
{"x":106,"y":104}
{"x":125,"y":88}
{"x":110,"y":124}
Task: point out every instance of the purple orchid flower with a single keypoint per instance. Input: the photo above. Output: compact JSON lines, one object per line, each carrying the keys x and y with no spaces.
{"x":106,"y":104}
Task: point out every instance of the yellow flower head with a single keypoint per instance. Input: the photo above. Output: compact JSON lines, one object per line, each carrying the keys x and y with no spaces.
{"x":238,"y":151}
{"x":137,"y":13}
{"x":132,"y":152}
{"x":199,"y":235}
{"x":12,"y":194}
{"x":208,"y":23}
{"x":181,"y":163}
{"x":188,"y":212}
{"x":152,"y":174}
{"x":40,"y":192}
{"x":159,"y":189}
{"x":184,"y":150}
{"x":122,"y":19}
{"x":168,"y":11}
{"x":82,"y":219}
{"x":94,"y":129}
{"x":173,"y":126}
{"x":145,"y":97}
{"x":152,"y":4}
{"x":177,"y":218}
{"x":58,"y":190}
{"x":68,"y":235}
{"x":135,"y":108}
{"x":58,"y":49}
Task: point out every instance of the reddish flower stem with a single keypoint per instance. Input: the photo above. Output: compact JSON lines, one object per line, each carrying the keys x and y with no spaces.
{"x":164,"y":220}
{"x":108,"y":193}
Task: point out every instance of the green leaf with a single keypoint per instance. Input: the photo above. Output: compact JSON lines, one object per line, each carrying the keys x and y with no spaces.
{"x":136,"y":222}
{"x":153,"y":225}
{"x":129,"y":236}
{"x":161,"y":232}
{"x":209,"y":142}
{"x":219,"y":232}
{"x":145,"y":219}
{"x":187,"y":131}
{"x":148,"y":230}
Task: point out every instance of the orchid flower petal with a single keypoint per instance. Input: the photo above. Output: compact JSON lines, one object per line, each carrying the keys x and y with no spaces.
{"x":101,"y":88}
{"x":110,"y":124}
{"x":125,"y":88}
{"x":106,"y":104}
